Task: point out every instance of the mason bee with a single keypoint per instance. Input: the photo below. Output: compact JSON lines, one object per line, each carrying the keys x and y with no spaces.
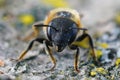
{"x":62,"y":27}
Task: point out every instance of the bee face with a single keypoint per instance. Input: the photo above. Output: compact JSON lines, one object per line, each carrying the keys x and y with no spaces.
{"x":63,"y":33}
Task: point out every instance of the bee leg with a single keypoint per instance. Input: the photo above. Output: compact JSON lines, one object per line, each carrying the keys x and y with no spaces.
{"x":29,"y":47}
{"x":92,"y":46}
{"x":76,"y":61}
{"x":85,"y":35}
{"x":49,"y":52}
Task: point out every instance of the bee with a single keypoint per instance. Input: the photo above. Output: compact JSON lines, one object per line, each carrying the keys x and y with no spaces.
{"x":62,"y":28}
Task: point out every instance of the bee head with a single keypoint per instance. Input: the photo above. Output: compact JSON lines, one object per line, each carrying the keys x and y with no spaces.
{"x":63,"y":32}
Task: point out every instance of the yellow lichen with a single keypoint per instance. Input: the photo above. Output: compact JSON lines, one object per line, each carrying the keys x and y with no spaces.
{"x":117,"y":62}
{"x":56,"y":3}
{"x":117,"y":18}
{"x":112,"y":77}
{"x":103,"y":45}
{"x":101,"y":70}
{"x":93,"y":73}
{"x":27,"y":19}
{"x":98,"y":53}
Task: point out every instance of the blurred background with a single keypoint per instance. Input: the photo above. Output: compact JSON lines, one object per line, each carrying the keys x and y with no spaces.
{"x":100,"y":17}
{"x":20,"y":15}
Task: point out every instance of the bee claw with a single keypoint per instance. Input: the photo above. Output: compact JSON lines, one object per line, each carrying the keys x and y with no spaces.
{"x":52,"y":68}
{"x":77,"y":70}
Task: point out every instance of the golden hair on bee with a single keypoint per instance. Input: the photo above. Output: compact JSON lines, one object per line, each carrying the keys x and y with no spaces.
{"x":74,"y":15}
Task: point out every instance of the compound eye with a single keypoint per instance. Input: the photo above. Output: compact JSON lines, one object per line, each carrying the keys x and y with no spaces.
{"x":74,"y":27}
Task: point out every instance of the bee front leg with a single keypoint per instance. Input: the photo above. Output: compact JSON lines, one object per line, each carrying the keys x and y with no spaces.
{"x":76,"y":61}
{"x":28,"y":48}
{"x":91,"y":45}
{"x":49,"y":52}
{"x":76,"y":43}
{"x":90,"y":41}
